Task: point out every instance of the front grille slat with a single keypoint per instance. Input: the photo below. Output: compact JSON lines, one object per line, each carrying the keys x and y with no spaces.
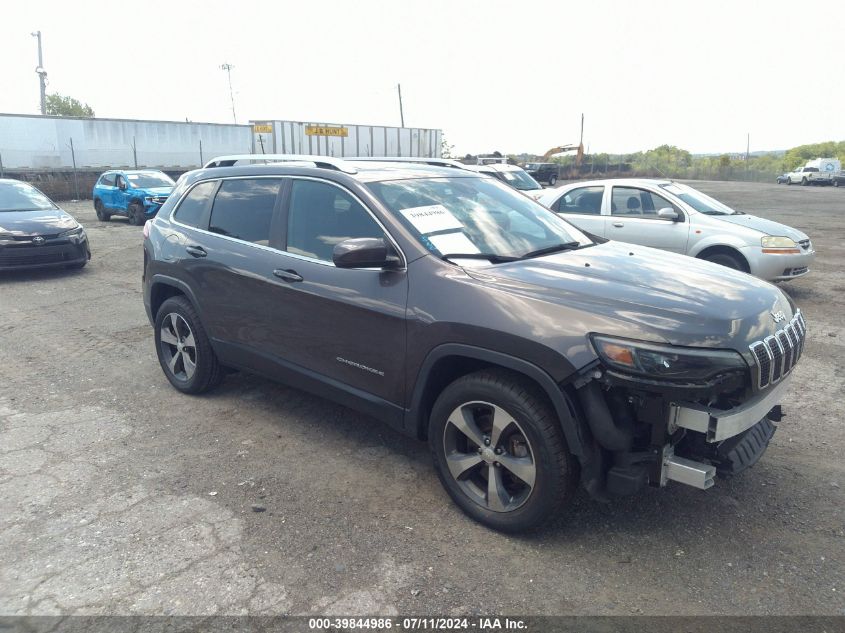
{"x":788,"y":351}
{"x":776,"y":355}
{"x":764,"y":363}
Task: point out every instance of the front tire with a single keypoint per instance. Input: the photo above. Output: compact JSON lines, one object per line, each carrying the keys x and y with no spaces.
{"x":727,"y":260}
{"x":804,"y":182}
{"x":100,"y":209}
{"x":499,"y":450}
{"x":136,"y":214}
{"x":183,"y":348}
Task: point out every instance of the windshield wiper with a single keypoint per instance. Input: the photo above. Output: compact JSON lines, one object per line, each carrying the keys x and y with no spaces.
{"x":548,"y":250}
{"x":496,"y":259}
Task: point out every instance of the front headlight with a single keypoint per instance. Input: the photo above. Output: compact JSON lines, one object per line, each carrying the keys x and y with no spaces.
{"x":775,"y":241}
{"x":76,"y":234}
{"x":666,"y":362}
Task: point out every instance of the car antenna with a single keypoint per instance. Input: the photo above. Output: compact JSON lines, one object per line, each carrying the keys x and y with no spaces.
{"x":660,"y":171}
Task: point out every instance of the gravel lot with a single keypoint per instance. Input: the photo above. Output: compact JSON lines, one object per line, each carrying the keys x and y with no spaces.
{"x":119,"y":495}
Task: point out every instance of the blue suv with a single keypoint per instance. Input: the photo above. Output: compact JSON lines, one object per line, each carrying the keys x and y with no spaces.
{"x":137,"y":194}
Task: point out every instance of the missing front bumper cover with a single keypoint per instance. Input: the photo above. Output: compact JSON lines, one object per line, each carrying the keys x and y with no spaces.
{"x":718,"y":424}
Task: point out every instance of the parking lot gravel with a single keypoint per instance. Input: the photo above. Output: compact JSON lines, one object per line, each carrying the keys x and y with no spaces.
{"x":119,"y":495}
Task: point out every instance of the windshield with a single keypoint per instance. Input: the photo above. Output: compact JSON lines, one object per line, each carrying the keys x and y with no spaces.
{"x":19,"y":196}
{"x":146,"y":181}
{"x":699,"y":201}
{"x":532,"y":166}
{"x":475,"y":216}
{"x":519,"y":179}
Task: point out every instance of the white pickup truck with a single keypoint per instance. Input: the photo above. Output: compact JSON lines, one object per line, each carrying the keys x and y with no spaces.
{"x":819,"y":171}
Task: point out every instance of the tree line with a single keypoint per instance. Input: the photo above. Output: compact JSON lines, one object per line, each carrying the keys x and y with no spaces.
{"x":674,"y":162}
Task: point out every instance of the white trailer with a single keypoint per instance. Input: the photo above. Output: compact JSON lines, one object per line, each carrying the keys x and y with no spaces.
{"x":343,"y":140}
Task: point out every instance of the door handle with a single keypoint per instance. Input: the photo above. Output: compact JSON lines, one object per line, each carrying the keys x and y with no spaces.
{"x":196,"y":251}
{"x":287,"y":275}
{"x":619,"y":224}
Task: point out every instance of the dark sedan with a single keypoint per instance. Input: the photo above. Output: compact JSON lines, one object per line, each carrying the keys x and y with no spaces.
{"x":35,"y":233}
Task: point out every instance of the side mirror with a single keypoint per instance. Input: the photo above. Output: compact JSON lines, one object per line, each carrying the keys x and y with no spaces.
{"x":364,"y":252}
{"x":668,"y":214}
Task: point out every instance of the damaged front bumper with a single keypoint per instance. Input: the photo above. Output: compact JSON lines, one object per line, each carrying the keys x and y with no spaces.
{"x":717,"y":424}
{"x":652,"y":437}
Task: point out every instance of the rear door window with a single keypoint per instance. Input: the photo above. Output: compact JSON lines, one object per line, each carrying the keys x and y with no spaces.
{"x":583,"y":200}
{"x":244,"y":209}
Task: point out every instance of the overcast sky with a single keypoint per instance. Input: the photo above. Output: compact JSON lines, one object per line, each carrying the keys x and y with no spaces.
{"x":508,"y":76}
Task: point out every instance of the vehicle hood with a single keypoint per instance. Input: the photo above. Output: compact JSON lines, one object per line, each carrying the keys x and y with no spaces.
{"x":767,"y":227}
{"x":638,"y":292}
{"x":39,"y":222}
{"x":155,"y":191}
{"x":534,"y":194}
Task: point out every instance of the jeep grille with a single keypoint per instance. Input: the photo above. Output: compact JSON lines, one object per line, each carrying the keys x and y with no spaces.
{"x":776,"y":355}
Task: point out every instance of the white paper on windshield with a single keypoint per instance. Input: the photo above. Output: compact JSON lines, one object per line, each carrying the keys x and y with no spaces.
{"x":673,"y":189}
{"x":132,"y":176}
{"x":455,"y":242}
{"x":431,"y":219}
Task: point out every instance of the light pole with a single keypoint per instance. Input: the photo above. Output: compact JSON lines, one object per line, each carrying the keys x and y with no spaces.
{"x":228,"y":68}
{"x":42,"y":74}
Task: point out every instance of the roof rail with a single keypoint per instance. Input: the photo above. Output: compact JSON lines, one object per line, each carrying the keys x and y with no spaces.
{"x":324,"y":162}
{"x":436,"y":162}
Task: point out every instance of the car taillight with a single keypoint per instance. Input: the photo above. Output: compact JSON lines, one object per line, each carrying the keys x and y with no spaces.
{"x":147,"y":227}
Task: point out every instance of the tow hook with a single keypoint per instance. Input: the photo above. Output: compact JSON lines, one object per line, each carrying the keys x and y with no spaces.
{"x":685,"y":471}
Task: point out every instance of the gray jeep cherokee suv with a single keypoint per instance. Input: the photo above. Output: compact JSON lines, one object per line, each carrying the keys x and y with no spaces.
{"x":532,"y":356}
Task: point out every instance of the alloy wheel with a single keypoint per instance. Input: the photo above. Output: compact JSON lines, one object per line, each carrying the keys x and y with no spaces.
{"x":178,"y":346}
{"x":489,"y":456}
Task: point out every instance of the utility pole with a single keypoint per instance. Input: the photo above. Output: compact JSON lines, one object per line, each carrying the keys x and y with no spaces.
{"x":581,"y":142}
{"x":401,"y":113}
{"x":228,"y":68}
{"x":42,"y":74}
{"x":747,"y":147}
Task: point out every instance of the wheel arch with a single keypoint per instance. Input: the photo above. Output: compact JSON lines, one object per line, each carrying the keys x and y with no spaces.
{"x":446,"y":363}
{"x":727,"y":250}
{"x":163,"y":288}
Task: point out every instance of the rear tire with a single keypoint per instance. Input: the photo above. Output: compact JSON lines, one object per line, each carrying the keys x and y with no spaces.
{"x":552,"y":181}
{"x":102,"y":214}
{"x":496,"y":423}
{"x":136,"y":214}
{"x":727,"y":260}
{"x":835,"y":183}
{"x":183,"y":348}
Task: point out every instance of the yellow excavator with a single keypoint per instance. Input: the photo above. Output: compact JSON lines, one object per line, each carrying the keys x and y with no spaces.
{"x":565,"y":148}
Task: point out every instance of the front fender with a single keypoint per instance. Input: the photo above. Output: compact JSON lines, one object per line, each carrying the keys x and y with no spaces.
{"x":416,"y":417}
{"x":717,"y":239}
